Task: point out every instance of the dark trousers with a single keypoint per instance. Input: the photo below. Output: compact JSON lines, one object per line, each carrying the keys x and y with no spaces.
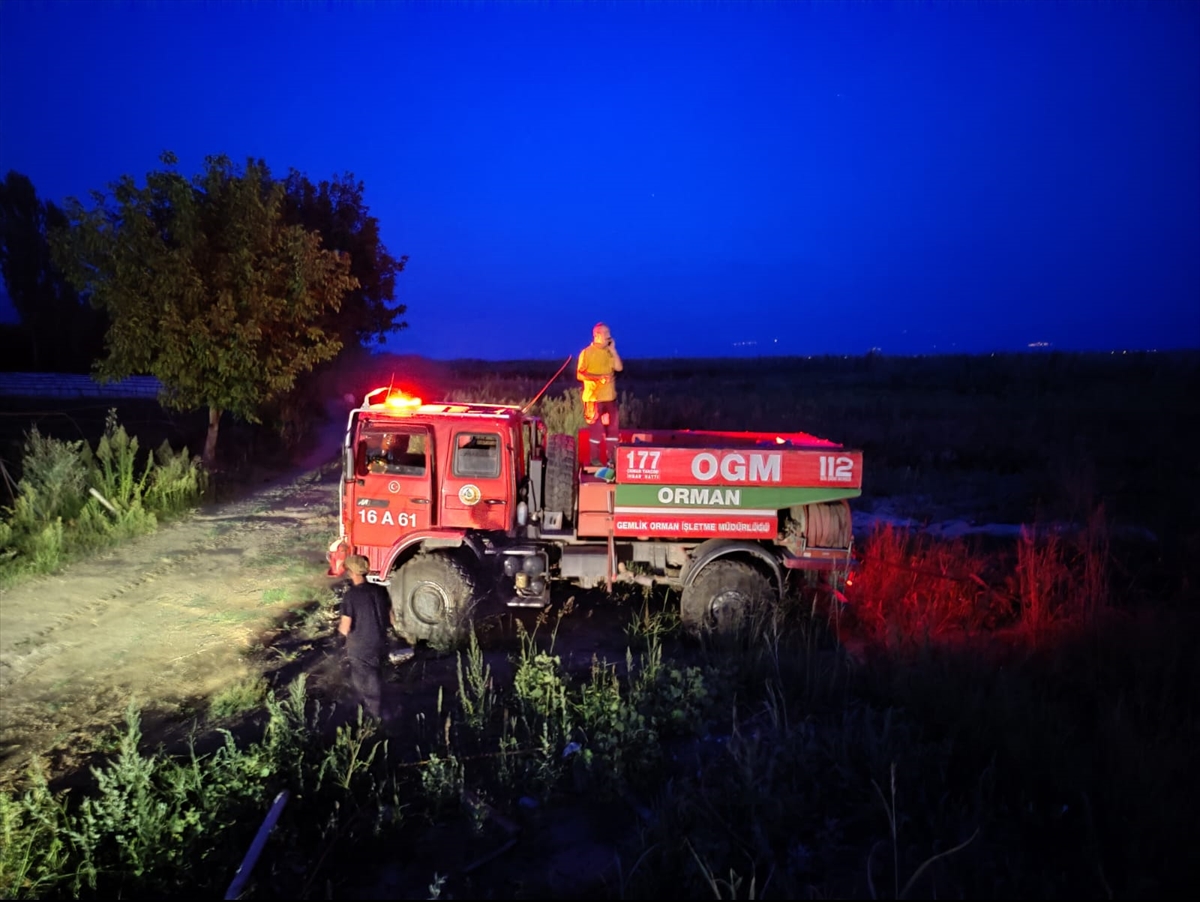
{"x":603,"y":431}
{"x":366,"y":678}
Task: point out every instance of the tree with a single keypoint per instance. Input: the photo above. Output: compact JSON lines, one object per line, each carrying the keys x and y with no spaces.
{"x":336,"y":209}
{"x":208,"y":288}
{"x":60,"y":332}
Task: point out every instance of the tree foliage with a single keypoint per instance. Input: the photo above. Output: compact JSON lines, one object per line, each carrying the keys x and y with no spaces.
{"x":207,"y":285}
{"x":58,"y":332}
{"x":336,"y":209}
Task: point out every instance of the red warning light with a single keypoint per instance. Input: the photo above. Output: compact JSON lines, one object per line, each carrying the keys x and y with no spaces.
{"x":401,"y":400}
{"x":397,"y":400}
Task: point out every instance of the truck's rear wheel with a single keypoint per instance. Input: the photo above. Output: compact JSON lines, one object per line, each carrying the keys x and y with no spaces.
{"x":433,"y":596}
{"x":723,"y":596}
{"x":560,"y":474}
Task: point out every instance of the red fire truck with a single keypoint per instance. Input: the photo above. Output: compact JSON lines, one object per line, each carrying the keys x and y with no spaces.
{"x":452,"y":502}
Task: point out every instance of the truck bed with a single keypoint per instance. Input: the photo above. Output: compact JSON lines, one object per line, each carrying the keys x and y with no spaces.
{"x":700,"y":438}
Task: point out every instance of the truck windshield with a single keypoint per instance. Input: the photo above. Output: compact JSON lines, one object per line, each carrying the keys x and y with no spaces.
{"x":399,"y":452}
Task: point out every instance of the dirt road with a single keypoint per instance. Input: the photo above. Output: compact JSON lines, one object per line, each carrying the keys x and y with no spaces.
{"x":166,"y":620}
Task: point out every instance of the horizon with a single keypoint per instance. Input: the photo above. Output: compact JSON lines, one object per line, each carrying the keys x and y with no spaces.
{"x":709,"y":179}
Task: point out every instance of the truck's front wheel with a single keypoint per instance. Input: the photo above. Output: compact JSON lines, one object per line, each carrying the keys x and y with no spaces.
{"x":433,"y":596}
{"x":723,"y":597}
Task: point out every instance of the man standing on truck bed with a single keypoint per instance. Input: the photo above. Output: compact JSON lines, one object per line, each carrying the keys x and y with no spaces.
{"x":598,"y":365}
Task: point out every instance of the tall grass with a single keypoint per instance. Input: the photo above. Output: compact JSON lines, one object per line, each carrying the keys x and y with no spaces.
{"x":72,"y":499}
{"x":911,"y":587}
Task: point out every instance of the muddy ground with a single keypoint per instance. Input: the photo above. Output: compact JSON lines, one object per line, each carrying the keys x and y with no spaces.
{"x":168,"y":620}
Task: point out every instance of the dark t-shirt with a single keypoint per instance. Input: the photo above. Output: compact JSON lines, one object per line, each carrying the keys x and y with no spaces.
{"x":367,"y":607}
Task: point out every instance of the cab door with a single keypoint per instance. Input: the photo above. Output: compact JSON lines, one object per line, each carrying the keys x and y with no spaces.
{"x":392,"y":489}
{"x":477,"y":490}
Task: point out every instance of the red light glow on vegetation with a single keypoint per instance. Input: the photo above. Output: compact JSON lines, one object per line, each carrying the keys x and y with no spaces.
{"x":911,"y":588}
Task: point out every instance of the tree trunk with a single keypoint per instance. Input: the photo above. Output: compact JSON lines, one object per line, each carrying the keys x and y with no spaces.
{"x":210,"y":441}
{"x":36,"y":361}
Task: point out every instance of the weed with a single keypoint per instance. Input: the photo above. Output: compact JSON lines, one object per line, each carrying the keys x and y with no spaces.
{"x":317,"y":619}
{"x":435,"y":887}
{"x":725,"y":889}
{"x":275,"y":594}
{"x":248,"y":694}
{"x":475,"y":693}
{"x":352,"y":753}
{"x":442,"y":780}
{"x":34,"y":854}
{"x":177,"y":482}
{"x":117,"y":478}
{"x":889,"y":806}
{"x":624,"y":722}
{"x":541,"y":689}
{"x":654,"y":625}
{"x":54,"y":480}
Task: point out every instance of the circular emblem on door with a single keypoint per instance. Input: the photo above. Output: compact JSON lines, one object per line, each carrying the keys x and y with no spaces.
{"x":469,"y":494}
{"x":393,"y":486}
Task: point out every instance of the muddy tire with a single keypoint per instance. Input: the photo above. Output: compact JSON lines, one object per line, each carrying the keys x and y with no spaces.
{"x":561,"y":474}
{"x":724,"y":597}
{"x":434,"y":597}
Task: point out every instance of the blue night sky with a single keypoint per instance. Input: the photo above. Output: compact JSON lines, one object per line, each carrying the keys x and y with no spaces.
{"x":813,"y":178}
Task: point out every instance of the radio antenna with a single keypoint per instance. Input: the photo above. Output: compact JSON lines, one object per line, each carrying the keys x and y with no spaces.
{"x":538,"y":396}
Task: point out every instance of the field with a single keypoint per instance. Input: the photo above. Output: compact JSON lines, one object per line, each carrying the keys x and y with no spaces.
{"x":1003,"y":706}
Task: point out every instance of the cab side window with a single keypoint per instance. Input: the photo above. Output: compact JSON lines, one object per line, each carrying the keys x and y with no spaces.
{"x":477,"y":455}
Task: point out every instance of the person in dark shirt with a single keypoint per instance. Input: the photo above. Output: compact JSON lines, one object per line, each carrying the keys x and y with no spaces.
{"x":366,"y":615}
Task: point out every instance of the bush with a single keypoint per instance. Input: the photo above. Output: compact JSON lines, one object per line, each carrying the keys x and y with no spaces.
{"x":71,"y":500}
{"x":155,"y":826}
{"x":177,"y":482}
{"x":54,"y":481}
